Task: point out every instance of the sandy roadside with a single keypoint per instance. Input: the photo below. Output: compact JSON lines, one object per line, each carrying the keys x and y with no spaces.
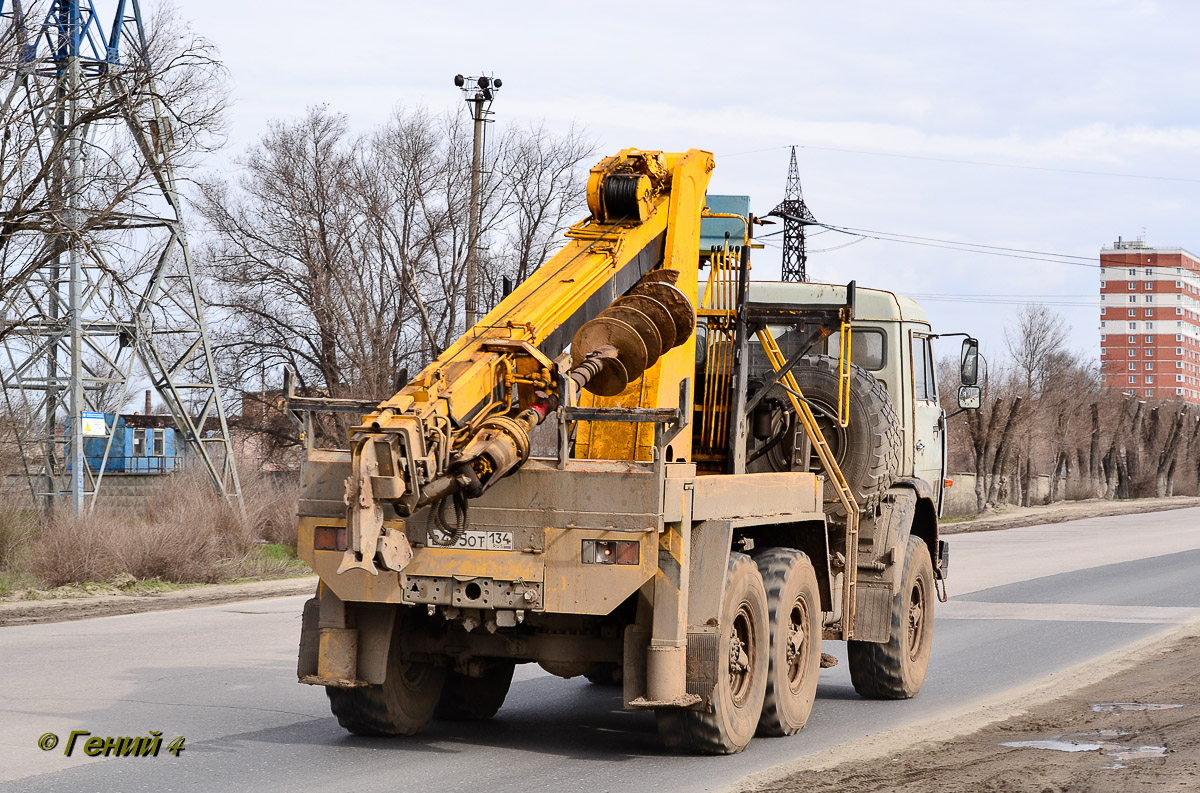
{"x":1137,"y":728}
{"x":23,"y":612}
{"x":1011,"y":517}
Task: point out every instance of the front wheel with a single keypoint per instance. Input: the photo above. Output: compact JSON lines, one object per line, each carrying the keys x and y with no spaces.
{"x":737,"y":698}
{"x":896,"y":669}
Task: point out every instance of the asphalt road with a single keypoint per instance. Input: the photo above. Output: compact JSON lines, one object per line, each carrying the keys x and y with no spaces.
{"x":1027,"y":602}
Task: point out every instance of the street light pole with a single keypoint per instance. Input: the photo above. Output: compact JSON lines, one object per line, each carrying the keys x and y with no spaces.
{"x":479,"y":92}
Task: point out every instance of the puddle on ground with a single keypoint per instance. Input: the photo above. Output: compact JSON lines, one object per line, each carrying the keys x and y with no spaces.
{"x":1094,"y":742}
{"x":1109,"y":707}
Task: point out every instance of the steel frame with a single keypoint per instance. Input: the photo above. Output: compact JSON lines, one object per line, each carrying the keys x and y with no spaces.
{"x":74,"y":329}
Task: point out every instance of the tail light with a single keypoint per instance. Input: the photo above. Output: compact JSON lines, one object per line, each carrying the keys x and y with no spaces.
{"x":329,"y":538}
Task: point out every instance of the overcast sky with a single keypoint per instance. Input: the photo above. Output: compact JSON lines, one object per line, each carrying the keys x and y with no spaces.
{"x":879,"y":94}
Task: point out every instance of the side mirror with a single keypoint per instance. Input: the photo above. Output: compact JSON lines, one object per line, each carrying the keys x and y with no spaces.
{"x":969,"y":363}
{"x":969,"y":397}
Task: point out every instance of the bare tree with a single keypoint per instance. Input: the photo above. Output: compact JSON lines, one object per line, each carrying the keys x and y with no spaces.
{"x":343,"y":256}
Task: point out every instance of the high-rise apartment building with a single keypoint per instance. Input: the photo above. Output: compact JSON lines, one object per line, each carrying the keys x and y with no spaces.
{"x":1150,"y":321}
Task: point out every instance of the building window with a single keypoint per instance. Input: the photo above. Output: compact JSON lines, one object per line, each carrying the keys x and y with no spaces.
{"x":1149,"y":271}
{"x":1133,"y":366}
{"x":1101,"y":310}
{"x":1148,"y":285}
{"x":1132,"y":325}
{"x":1149,"y":326}
{"x":1133,"y":339}
{"x":1179,"y":364}
{"x":1132,"y":273}
{"x":1133,"y":313}
{"x":1149,"y":366}
{"x":1178,"y":350}
{"x":1178,"y":392}
{"x":139,"y":443}
{"x":1179,"y":337}
{"x":1178,"y":284}
{"x":1149,"y":379}
{"x":1132,"y":379}
{"x":1149,"y":353}
{"x":1178,"y":309}
{"x":1149,"y":312}
{"x":1102,"y":298}
{"x":1101,"y":337}
{"x":1178,"y":378}
{"x":1133,"y":298}
{"x":1102,"y":283}
{"x":1149,"y":298}
{"x":1149,"y":339}
{"x":1131,"y":284}
{"x":160,"y":442}
{"x":1149,"y":392}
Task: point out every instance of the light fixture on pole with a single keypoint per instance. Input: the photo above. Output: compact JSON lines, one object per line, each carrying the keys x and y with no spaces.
{"x":479,"y":93}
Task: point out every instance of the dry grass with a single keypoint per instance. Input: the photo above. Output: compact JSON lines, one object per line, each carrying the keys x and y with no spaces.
{"x":183,"y":533}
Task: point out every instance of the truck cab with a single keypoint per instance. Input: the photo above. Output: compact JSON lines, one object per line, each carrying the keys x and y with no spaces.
{"x":892,"y":339}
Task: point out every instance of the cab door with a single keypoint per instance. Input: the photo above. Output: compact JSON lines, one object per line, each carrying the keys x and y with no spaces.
{"x":928,"y":418}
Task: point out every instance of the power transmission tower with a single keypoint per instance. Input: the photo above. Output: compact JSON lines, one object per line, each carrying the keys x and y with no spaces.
{"x":98,"y":276}
{"x":795,"y":217}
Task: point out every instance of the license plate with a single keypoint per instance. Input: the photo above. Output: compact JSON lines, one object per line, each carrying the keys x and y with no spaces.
{"x":483,"y":541}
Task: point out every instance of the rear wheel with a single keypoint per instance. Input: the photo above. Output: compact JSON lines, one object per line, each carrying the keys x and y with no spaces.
{"x":402,"y":705}
{"x":737,"y":698}
{"x":794,"y":608}
{"x":466,"y":698}
{"x":896,"y":669}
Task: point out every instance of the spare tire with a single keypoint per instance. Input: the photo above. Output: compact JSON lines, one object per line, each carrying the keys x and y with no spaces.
{"x":868,"y":449}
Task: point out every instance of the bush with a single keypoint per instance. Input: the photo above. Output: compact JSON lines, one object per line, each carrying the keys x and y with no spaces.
{"x":183,"y":533}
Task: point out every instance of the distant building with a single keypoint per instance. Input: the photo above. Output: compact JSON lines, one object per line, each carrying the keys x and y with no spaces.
{"x":1150,"y":321}
{"x":141,"y":444}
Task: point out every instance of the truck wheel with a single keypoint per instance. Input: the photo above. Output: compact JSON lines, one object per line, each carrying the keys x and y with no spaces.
{"x":737,"y":698}
{"x":402,"y":705}
{"x":896,"y":669}
{"x":868,"y":449}
{"x":794,"y":608}
{"x":466,"y":698}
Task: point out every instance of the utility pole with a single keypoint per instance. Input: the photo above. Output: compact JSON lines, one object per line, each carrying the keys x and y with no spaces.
{"x":796,"y":216}
{"x":479,"y":92}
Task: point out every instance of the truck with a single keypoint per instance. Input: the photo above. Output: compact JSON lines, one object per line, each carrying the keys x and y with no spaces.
{"x":641,"y":467}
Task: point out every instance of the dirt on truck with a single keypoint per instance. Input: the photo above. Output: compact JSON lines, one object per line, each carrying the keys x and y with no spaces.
{"x":644,"y":468}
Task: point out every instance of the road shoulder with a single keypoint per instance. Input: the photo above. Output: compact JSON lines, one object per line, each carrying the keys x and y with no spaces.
{"x":24,"y":612}
{"x":965,"y":751}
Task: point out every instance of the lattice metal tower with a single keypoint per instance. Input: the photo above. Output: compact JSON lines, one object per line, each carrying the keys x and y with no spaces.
{"x":96,"y":277}
{"x":795,"y":217}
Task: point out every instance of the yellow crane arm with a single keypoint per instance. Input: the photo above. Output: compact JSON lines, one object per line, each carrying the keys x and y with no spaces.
{"x":450,"y":431}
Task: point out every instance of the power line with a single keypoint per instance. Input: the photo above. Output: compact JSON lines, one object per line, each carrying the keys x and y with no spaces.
{"x":984,"y":163}
{"x":968,"y":247}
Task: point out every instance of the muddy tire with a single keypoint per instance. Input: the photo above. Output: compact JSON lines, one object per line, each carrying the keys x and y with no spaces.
{"x":402,"y":705}
{"x":737,"y":698}
{"x":868,"y":450}
{"x":794,"y":614}
{"x":896,"y":669}
{"x":606,"y":674}
{"x":466,"y":698}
